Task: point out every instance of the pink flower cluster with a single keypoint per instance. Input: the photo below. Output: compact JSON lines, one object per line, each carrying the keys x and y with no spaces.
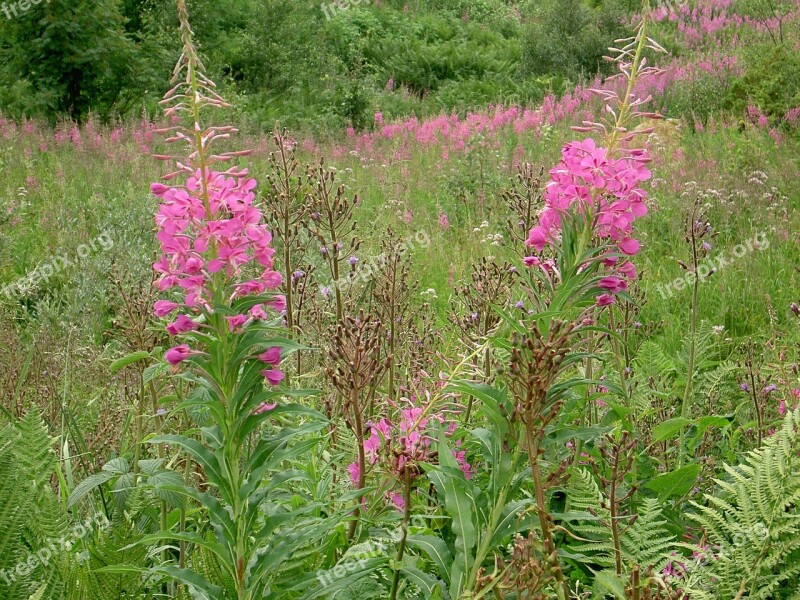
{"x":215,"y":248}
{"x":707,"y":22}
{"x":604,"y":189}
{"x":405,"y":444}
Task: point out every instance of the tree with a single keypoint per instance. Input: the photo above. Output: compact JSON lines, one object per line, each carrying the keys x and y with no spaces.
{"x":74,"y":54}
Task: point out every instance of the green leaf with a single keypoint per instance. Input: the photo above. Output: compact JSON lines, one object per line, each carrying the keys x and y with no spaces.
{"x":436,"y":549}
{"x":424,"y":581}
{"x":668,"y":429}
{"x":87,"y":485}
{"x":153,"y":371}
{"x":460,"y":507}
{"x":704,"y":423}
{"x":605,"y":583}
{"x":125,"y":361}
{"x":675,"y":483}
{"x":330,"y":583}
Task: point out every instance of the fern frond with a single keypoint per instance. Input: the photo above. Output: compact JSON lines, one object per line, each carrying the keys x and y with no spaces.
{"x":646,"y":543}
{"x":753,"y":525}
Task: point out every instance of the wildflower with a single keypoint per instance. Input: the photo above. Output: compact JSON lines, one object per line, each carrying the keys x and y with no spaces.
{"x":612,"y":284}
{"x":273,"y":376}
{"x":272,"y":356}
{"x":278,"y":303}
{"x":586,"y":178}
{"x":264,"y":407}
{"x":531,"y":261}
{"x":163,"y":307}
{"x":444,"y":222}
{"x":353,"y":261}
{"x":177,"y":355}
{"x":355,"y":472}
{"x":465,"y":467}
{"x":744,"y":387}
{"x":236,"y":321}
{"x":181,"y":325}
{"x":604,"y":300}
{"x":208,"y":229}
{"x":258,"y":312}
{"x":769,"y":389}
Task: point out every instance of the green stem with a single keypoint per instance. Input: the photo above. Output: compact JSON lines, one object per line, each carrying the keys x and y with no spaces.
{"x":687,"y":392}
{"x":402,"y":546}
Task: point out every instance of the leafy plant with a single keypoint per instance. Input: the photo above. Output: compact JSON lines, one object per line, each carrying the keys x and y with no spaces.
{"x":751,"y":527}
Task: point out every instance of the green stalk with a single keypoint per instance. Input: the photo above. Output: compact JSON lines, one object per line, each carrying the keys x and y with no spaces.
{"x":687,"y":392}
{"x":402,"y":546}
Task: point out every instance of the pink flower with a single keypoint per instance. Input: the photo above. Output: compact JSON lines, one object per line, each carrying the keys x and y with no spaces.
{"x":273,"y":376}
{"x":258,"y":312}
{"x":236,"y":321}
{"x":234,"y":228}
{"x":604,"y":300}
{"x":613,"y":284}
{"x":532,"y":261}
{"x":177,"y":354}
{"x":181,"y":325}
{"x":629,"y":246}
{"x":628,"y":269}
{"x":272,"y":279}
{"x":537,"y":238}
{"x":465,"y":467}
{"x":272,"y":356}
{"x":355,"y":472}
{"x":162,"y":308}
{"x":398,"y":500}
{"x":278,"y":303}
{"x":264,"y":407}
{"x":588,"y":179}
{"x":444,"y":222}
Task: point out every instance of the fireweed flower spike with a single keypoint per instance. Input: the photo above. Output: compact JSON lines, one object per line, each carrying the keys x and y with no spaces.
{"x":403,"y":446}
{"x":217,"y":274}
{"x":586,"y":228}
{"x":602,"y":184}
